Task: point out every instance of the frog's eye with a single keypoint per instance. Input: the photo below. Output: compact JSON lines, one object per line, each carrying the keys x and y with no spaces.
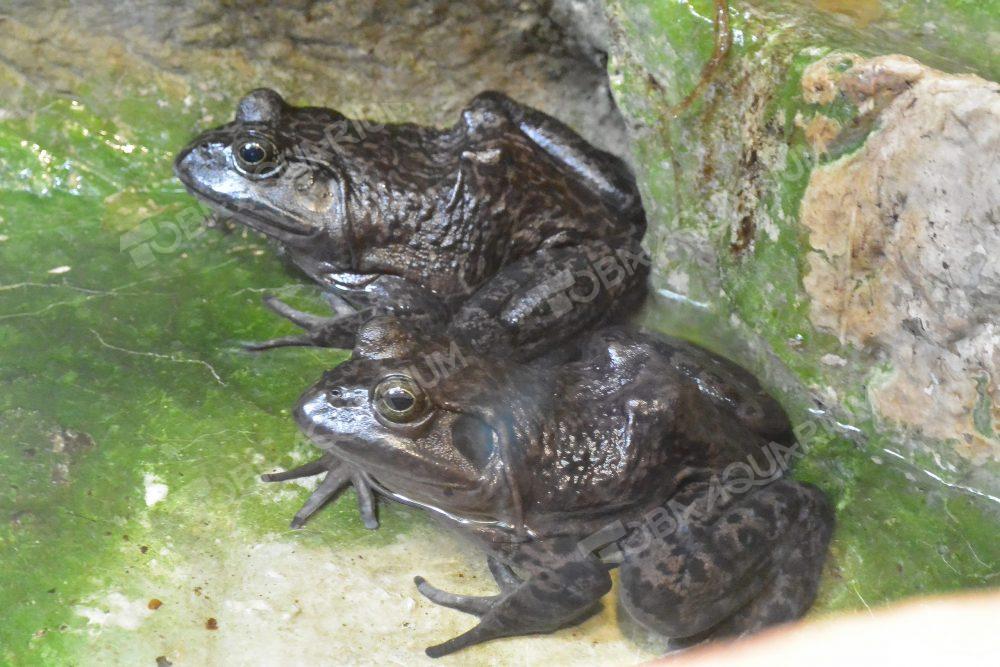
{"x":256,"y":157}
{"x":252,"y":153}
{"x":398,"y":399}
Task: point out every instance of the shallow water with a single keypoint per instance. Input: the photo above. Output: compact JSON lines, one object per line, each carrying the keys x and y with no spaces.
{"x":132,"y":427}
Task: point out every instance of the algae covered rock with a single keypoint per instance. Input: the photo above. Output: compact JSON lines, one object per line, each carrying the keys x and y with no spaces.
{"x":840,"y":209}
{"x":904,"y":238}
{"x":821,"y":184}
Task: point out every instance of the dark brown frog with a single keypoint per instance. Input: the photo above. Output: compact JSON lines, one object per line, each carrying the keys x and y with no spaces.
{"x":508,"y":228}
{"x":645,"y":452}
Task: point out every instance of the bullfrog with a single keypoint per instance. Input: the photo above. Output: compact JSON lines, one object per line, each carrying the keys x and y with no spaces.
{"x":643,"y":452}
{"x":507,"y":229}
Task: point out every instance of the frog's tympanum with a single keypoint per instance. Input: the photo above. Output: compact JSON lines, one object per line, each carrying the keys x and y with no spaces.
{"x":644,"y":452}
{"x":508,"y":227}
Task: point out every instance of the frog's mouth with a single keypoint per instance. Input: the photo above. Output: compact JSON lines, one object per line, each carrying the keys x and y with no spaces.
{"x":258,"y":217}
{"x":484,"y":520}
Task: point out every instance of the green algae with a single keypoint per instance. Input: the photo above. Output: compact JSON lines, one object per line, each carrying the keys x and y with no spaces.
{"x":953,"y":35}
{"x":132,"y":347}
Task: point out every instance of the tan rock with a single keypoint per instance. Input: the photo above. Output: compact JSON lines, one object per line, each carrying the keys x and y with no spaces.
{"x":820,"y":131}
{"x":906,"y":245}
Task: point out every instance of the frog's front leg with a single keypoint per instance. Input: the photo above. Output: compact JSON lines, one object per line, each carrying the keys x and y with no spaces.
{"x":551,"y":597}
{"x":539,"y":301}
{"x":384,"y":295}
{"x":338,"y":476}
{"x":319,"y":331}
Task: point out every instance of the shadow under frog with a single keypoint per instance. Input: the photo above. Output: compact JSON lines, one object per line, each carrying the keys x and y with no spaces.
{"x":508,"y":227}
{"x":533,"y":461}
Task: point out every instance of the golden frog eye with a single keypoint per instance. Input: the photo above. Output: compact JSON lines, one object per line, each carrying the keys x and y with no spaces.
{"x":399,"y":399}
{"x":256,"y":157}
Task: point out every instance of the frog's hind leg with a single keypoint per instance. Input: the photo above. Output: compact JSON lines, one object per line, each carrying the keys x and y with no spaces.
{"x":792,"y":589}
{"x":603,"y":171}
{"x":539,"y":302}
{"x":559,"y":589}
{"x":752,"y":563}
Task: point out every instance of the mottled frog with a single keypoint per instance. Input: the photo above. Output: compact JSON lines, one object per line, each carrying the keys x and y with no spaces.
{"x":644,"y":452}
{"x":508,"y":228}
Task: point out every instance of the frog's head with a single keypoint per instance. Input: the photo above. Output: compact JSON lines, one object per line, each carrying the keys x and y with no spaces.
{"x":427,"y":420}
{"x":267,"y":169}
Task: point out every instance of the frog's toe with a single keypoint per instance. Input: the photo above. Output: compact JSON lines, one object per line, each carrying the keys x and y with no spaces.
{"x":366,"y":501}
{"x":338,"y":476}
{"x":314,"y":327}
{"x":339,"y":304}
{"x":307,"y":321}
{"x":300,"y":340}
{"x":317,"y":331}
{"x":331,"y":485}
{"x":476,"y":635}
{"x":321,"y":464}
{"x":470,"y":604}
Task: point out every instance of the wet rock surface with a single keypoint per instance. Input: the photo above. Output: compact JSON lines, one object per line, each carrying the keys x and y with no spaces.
{"x":803,"y":204}
{"x":413,"y":60}
{"x":903,"y":235}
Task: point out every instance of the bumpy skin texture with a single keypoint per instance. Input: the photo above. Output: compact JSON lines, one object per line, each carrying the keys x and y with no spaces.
{"x":508,"y":228}
{"x":644,"y":452}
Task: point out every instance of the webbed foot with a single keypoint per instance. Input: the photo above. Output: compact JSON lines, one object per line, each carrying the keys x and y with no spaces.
{"x":338,"y":476}
{"x":561,"y":596}
{"x":478,"y":606}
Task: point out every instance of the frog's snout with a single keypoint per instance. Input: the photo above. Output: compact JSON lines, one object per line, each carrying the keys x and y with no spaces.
{"x":189,"y":164}
{"x":314,"y":412}
{"x":203,"y":164}
{"x":308,"y":409}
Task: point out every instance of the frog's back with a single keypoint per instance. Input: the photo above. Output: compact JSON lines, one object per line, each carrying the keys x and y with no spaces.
{"x":639,"y":413}
{"x":720,"y":382}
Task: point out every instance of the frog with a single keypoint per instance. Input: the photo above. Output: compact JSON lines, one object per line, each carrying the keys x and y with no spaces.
{"x":507,"y":229}
{"x":643,"y":453}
